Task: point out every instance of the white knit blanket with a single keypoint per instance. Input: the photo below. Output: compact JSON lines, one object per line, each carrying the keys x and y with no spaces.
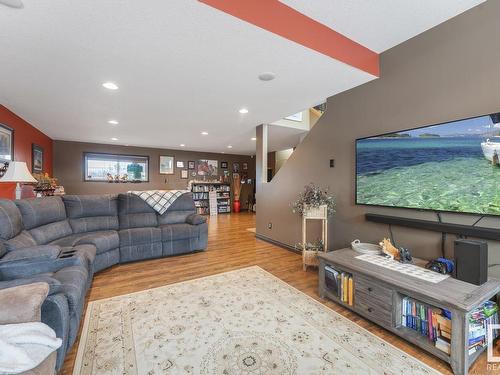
{"x":24,"y":346}
{"x":159,"y":200}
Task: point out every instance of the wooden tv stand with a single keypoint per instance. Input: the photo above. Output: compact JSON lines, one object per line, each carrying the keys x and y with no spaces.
{"x":378,"y":293}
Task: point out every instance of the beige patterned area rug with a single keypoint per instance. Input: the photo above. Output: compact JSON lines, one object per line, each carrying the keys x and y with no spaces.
{"x":241,"y":322}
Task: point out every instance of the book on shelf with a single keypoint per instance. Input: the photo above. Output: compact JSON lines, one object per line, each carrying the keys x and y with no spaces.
{"x":205,"y":193}
{"x":479,"y":321}
{"x":429,"y":321}
{"x":342,"y":283}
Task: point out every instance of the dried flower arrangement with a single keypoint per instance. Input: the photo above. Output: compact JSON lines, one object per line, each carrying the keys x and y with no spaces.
{"x":236,"y":186}
{"x":314,"y":196}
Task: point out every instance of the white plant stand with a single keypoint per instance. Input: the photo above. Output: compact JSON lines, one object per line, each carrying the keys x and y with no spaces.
{"x":314,"y":213}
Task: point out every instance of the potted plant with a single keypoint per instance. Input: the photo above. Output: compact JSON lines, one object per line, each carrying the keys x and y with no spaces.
{"x":314,"y":202}
{"x":310,"y":252}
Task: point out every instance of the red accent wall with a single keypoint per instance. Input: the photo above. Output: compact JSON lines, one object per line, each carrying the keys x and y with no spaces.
{"x":25,"y":135}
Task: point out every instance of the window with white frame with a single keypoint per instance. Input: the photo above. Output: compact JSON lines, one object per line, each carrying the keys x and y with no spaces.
{"x":102,"y":167}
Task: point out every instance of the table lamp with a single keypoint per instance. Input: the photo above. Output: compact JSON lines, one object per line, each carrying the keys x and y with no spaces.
{"x":18,"y":173}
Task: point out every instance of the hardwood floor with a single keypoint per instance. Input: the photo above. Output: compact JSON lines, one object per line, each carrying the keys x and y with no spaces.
{"x":232,"y":246}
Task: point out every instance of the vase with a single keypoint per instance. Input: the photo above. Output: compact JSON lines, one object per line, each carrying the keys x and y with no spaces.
{"x":236,"y":206}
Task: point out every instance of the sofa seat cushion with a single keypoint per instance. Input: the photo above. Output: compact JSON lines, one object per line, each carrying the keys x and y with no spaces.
{"x":103,"y":240}
{"x":139,"y":236}
{"x":174,"y":232}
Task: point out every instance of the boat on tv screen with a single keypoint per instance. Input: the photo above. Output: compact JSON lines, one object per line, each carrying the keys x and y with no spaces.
{"x":447,"y":167}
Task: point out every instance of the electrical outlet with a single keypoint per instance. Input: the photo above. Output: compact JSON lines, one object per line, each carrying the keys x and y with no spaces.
{"x":269,"y":225}
{"x":332,"y":163}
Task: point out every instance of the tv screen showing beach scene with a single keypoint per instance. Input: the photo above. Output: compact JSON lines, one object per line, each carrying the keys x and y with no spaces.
{"x":452,"y":167}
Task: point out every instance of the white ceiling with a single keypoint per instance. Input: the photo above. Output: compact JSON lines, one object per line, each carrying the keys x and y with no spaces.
{"x":182,"y":66}
{"x":381,"y":24}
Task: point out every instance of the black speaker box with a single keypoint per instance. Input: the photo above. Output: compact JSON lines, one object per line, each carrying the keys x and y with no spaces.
{"x":471,"y":261}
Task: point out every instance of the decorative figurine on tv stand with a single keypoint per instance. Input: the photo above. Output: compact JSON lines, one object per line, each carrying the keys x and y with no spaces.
{"x":400,"y":254}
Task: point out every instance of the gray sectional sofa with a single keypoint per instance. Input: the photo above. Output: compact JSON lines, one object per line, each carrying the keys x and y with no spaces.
{"x":63,"y":241}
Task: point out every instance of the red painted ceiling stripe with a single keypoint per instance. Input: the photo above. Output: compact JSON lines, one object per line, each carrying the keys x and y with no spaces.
{"x":280,"y":19}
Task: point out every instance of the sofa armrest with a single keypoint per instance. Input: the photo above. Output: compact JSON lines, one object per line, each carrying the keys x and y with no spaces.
{"x":195,"y":219}
{"x":22,"y":303}
{"x":53,"y":284}
{"x":33,"y":253}
{"x":25,"y":268}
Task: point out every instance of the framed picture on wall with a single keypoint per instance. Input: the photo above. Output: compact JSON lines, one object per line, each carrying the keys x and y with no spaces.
{"x":245,"y":166}
{"x":36,"y":159}
{"x":191,"y":164}
{"x":6,"y":144}
{"x":207,"y":167}
{"x":184,"y":174}
{"x":179,"y":164}
{"x":166,"y":165}
{"x":236,"y":167}
{"x":223,"y":164}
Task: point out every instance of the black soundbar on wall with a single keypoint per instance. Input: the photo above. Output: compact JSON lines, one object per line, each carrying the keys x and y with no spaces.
{"x":435,"y":226}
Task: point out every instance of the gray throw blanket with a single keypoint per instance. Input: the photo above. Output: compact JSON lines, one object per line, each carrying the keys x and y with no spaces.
{"x":159,"y":200}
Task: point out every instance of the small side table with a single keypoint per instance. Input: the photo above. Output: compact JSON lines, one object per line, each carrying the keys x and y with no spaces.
{"x":314,"y":213}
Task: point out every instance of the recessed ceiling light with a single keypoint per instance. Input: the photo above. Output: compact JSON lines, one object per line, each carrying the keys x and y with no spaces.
{"x":182,"y":145}
{"x":229,"y":146}
{"x":254,"y":139}
{"x":267,"y":76}
{"x":113,"y":122}
{"x":204,"y":133}
{"x":243,"y":111}
{"x":110,"y":85}
{"x":114,"y":139}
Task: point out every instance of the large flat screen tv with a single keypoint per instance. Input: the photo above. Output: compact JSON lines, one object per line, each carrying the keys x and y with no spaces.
{"x":451,"y":167}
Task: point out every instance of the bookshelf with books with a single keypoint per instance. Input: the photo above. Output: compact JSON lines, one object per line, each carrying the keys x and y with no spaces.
{"x":201,"y":191}
{"x":449,"y":318}
{"x":429,"y":321}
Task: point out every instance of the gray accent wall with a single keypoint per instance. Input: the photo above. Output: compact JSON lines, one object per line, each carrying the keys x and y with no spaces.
{"x":68,"y":168}
{"x":448,"y":73}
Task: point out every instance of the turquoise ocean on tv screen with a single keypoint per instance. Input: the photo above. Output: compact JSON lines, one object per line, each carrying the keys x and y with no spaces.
{"x":438,"y":168}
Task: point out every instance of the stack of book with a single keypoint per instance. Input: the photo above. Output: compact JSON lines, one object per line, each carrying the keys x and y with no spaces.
{"x":429,"y":321}
{"x":340,"y":283}
{"x":479,"y":320}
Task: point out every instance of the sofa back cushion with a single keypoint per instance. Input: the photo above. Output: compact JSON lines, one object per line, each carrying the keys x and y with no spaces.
{"x":178,"y":211}
{"x":133,"y":212}
{"x":10,"y":223}
{"x":10,"y":220}
{"x":44,"y":218}
{"x":90,"y":213}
